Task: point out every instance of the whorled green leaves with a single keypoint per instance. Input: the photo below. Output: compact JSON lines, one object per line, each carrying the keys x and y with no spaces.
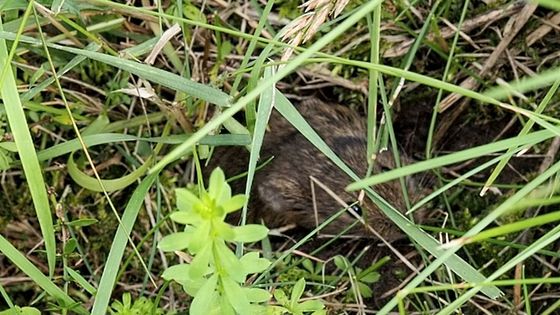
{"x":215,"y":275}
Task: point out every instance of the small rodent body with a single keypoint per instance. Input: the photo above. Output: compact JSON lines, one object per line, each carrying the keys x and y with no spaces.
{"x":282,"y":192}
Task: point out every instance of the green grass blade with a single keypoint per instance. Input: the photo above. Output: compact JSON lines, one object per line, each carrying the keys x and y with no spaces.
{"x":512,"y":227}
{"x":450,"y":58}
{"x":456,"y":181}
{"x":150,"y":73}
{"x":544,"y":103}
{"x":108,"y":185}
{"x":81,"y":281}
{"x":374,"y":25}
{"x":69,"y":66}
{"x":553,"y":4}
{"x":36,"y":275}
{"x":156,"y":75}
{"x":263,"y":114}
{"x":114,"y":259}
{"x":525,"y":84}
{"x":529,"y":139}
{"x":103,"y":138}
{"x":26,"y":150}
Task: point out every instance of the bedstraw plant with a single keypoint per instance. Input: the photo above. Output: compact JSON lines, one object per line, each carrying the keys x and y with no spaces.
{"x":215,"y":276}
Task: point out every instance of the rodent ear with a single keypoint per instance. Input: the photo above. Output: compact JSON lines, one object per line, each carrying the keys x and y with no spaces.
{"x":281,"y":194}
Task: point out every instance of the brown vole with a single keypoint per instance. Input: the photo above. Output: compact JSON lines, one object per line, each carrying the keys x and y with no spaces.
{"x":281,"y":191}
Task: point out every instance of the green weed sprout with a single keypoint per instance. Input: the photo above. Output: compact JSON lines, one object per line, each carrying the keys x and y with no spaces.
{"x":292,"y":305}
{"x":215,"y":276}
{"x":140,"y":306}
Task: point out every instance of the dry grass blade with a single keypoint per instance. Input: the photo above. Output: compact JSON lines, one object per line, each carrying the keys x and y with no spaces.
{"x":305,"y":26}
{"x":514,"y":25}
{"x":483,"y":19}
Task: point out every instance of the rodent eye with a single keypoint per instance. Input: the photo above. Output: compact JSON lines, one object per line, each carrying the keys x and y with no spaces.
{"x":356,"y":207}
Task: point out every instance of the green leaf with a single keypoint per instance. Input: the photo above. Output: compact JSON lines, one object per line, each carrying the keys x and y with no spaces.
{"x":225,"y":49}
{"x":5,"y":160}
{"x":217,"y":181}
{"x":371,"y":277}
{"x":175,"y":241}
{"x":365,"y":290}
{"x":250,"y":233}
{"x":191,"y":12}
{"x":181,"y":274}
{"x":70,"y":246}
{"x":256,"y":295}
{"x":200,"y":263}
{"x":234,"y":204}
{"x":223,"y":230}
{"x":32,"y":92}
{"x":103,"y":138}
{"x":281,"y":297}
{"x":186,"y":199}
{"x":63,"y":119}
{"x":21,"y":261}
{"x":311,"y":305}
{"x":513,"y":227}
{"x":308,"y":265}
{"x":235,"y":295}
{"x":225,"y":307}
{"x":187,"y":218}
{"x":9,"y":5}
{"x":219,"y":189}
{"x":526,"y":128}
{"x":252,"y":263}
{"x":205,"y":297}
{"x":200,"y":237}
{"x":165,"y":78}
{"x":26,"y":310}
{"x":460,"y":156}
{"x":10,"y":146}
{"x":341,"y":262}
{"x":97,"y":126}
{"x":525,"y":84}
{"x":297,"y":292}
{"x":277,"y":310}
{"x":266,"y":102}
{"x":227,"y":258}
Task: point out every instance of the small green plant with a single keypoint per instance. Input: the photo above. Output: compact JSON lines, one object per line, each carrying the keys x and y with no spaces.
{"x":292,"y":305}
{"x":215,"y":276}
{"x":140,"y":306}
{"x":363,"y":279}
